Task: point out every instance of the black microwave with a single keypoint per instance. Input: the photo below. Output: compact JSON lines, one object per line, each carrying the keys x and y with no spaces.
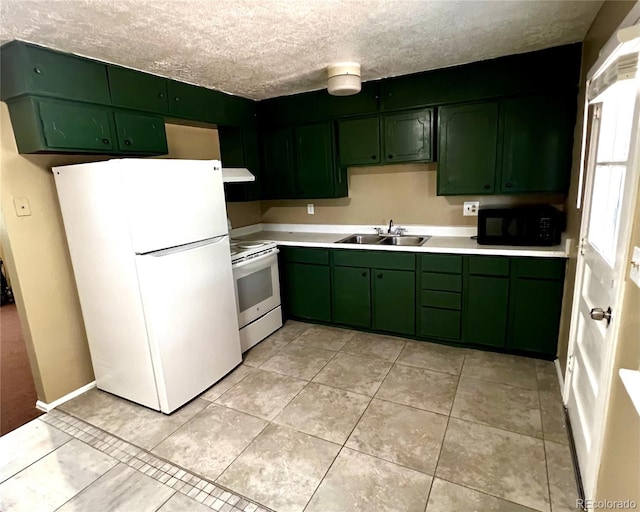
{"x":523,"y":225}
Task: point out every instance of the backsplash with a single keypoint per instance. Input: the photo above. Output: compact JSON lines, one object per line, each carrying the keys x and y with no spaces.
{"x":405,"y":193}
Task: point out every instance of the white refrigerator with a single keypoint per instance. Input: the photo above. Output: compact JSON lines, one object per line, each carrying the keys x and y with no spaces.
{"x":150,"y":252}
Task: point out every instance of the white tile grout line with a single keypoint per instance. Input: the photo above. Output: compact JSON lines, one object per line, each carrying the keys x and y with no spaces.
{"x":202,"y":490}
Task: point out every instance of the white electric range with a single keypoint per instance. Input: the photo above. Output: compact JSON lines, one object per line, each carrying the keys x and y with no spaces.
{"x":257,"y":285}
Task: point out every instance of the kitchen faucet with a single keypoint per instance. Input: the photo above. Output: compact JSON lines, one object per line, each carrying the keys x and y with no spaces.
{"x":392,"y":230}
{"x":390,"y":226}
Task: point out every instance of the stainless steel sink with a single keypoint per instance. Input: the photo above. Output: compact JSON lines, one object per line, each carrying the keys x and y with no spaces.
{"x":412,"y":241}
{"x":404,"y":240}
{"x":360,"y":239}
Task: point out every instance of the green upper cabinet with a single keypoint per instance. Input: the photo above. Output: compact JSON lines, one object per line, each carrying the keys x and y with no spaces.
{"x":408,"y":136}
{"x":188,"y":101}
{"x":238,"y":111}
{"x":394,"y":300}
{"x":365,"y":102}
{"x":28,"y":69}
{"x":516,"y":145}
{"x":278,"y":164}
{"x":467,"y":147}
{"x":138,"y":91}
{"x":315,"y":161}
{"x":239,"y":147}
{"x":300,"y":163}
{"x":76,"y":127}
{"x":359,"y":141}
{"x":49,"y":125}
{"x":140,"y":133}
{"x":537,"y":143}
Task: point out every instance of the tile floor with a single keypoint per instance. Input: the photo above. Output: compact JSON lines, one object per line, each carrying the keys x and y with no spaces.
{"x":315,"y":419}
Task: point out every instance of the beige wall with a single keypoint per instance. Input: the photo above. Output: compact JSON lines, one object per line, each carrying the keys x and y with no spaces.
{"x":37,"y":257}
{"x":609,"y":17}
{"x":405,"y":193}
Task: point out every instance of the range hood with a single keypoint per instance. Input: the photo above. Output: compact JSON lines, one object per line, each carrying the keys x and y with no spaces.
{"x":236,"y":175}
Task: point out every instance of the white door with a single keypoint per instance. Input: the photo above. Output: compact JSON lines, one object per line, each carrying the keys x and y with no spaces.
{"x":172,"y":202}
{"x":611,"y":190}
{"x":190,"y":313}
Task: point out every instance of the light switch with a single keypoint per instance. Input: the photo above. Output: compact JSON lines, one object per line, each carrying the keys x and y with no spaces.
{"x":634,"y":274}
{"x":23,"y":209}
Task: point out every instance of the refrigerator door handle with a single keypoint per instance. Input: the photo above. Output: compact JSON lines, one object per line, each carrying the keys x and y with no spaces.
{"x":186,"y":247}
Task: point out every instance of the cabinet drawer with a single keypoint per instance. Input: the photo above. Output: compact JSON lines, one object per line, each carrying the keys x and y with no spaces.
{"x":305,"y":255}
{"x":438,"y":299}
{"x":439,"y":323}
{"x":444,"y":282}
{"x":375,"y":259}
{"x":445,"y":263}
{"x":539,"y":268}
{"x":488,"y":265}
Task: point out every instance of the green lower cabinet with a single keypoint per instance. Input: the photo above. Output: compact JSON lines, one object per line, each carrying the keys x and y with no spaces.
{"x":140,"y":133}
{"x":394,"y":301}
{"x":485,"y":310}
{"x":439,"y":323}
{"x":306,"y":291}
{"x":351,"y":293}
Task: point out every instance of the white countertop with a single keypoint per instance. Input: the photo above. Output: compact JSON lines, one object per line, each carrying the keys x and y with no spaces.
{"x":451,"y":240}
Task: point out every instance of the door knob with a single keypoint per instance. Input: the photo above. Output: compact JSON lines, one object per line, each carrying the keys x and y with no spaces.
{"x":600,"y":314}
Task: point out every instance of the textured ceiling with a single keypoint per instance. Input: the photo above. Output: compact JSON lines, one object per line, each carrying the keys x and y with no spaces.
{"x":266,"y":48}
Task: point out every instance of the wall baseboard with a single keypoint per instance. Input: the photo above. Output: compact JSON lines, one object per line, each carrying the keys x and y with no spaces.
{"x":42,"y":406}
{"x":556,"y":362}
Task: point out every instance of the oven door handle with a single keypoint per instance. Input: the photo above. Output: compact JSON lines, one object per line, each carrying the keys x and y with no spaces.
{"x":255,"y":260}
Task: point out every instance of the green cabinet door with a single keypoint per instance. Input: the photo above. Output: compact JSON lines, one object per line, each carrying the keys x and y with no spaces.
{"x":467,"y":148}
{"x":306,"y":291}
{"x":315,"y":164}
{"x":537,"y":143}
{"x":359,"y":141}
{"x":534,"y":315}
{"x":136,"y":90}
{"x":238,"y":111}
{"x":77,"y":127}
{"x":394,"y":301}
{"x":278,"y":164}
{"x":365,"y":102}
{"x":141,"y":133}
{"x":351,"y":295}
{"x":485,"y":310}
{"x":407,"y":136}
{"x":188,"y":101}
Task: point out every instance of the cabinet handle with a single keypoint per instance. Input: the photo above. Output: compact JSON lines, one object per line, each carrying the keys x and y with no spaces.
{"x":364,"y":274}
{"x":487,"y":187}
{"x":161,"y":95}
{"x":177,"y":98}
{"x":379,"y":276}
{"x":389,"y":156}
{"x":127,"y":142}
{"x":374,"y":157}
{"x":508,"y":185}
{"x":105,"y":141}
{"x":37,"y":70}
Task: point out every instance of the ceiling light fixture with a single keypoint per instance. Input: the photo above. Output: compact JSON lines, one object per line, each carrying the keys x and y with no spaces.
{"x":344,"y":79}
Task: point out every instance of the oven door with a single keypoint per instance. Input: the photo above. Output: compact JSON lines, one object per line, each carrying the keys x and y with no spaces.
{"x":257,"y":287}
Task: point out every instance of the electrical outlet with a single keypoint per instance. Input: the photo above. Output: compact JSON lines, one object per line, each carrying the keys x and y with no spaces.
{"x":470,"y":208}
{"x":311,"y":209}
